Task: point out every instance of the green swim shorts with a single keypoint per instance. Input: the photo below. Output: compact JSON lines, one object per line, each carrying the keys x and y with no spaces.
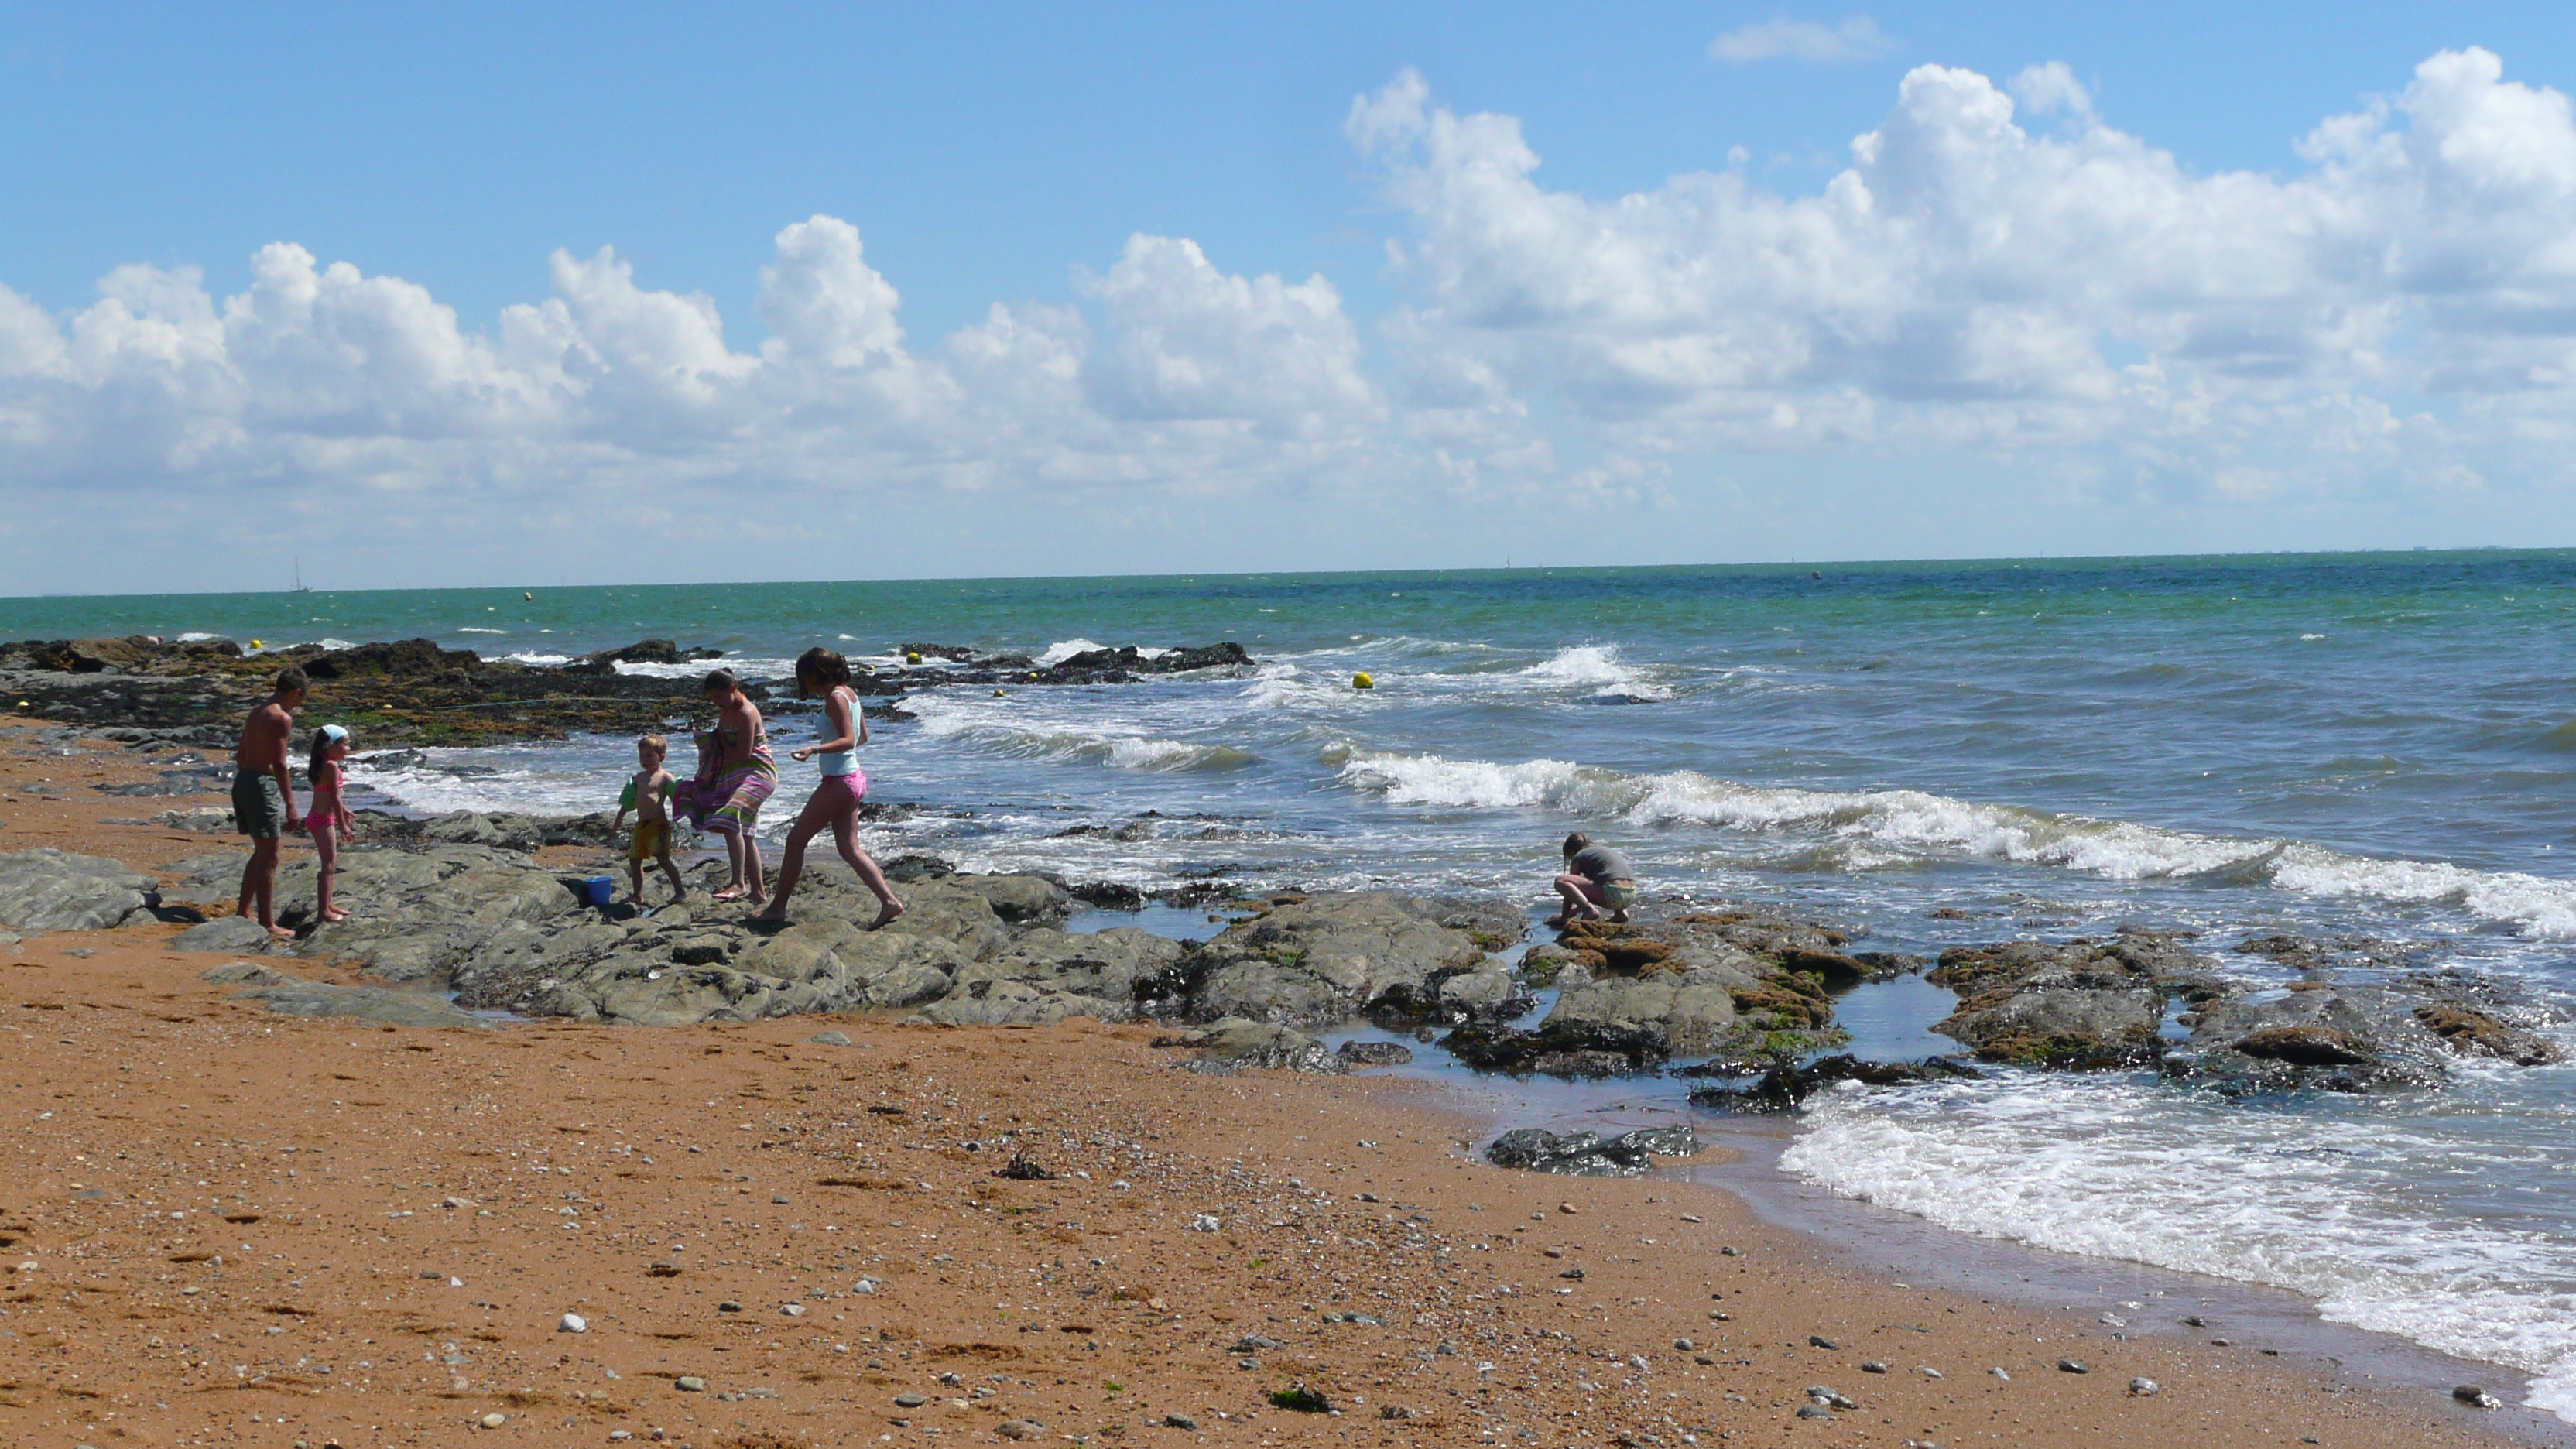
{"x":1618,"y":895}
{"x":259,"y":811}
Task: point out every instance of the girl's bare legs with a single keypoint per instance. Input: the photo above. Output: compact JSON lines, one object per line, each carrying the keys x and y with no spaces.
{"x":752,"y":877}
{"x":809,"y":822}
{"x":734,"y":888}
{"x":327,"y":848}
{"x":845,"y":834}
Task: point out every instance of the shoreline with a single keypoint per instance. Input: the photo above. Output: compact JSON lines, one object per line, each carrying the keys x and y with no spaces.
{"x":1803,"y":1282}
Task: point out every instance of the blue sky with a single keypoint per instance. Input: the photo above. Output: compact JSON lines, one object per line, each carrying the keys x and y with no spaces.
{"x":1210,"y":357}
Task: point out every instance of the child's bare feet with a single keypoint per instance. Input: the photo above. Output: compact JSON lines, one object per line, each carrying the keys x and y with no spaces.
{"x":731,"y":893}
{"x":774,"y":916}
{"x":280,"y":933}
{"x":886,"y":917}
{"x":335,"y":914}
{"x":1555,"y":920}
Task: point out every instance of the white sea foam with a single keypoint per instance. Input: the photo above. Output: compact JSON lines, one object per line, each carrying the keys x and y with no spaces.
{"x":1034,"y":733}
{"x":1938,"y":825}
{"x":197,"y":636}
{"x":1595,"y":666}
{"x":1063,"y":650}
{"x":471,"y":629}
{"x":327,"y":642}
{"x":2326,"y":1207}
{"x":743,"y":667}
{"x":530,"y":656}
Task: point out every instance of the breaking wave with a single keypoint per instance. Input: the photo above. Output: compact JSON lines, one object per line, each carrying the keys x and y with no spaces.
{"x":1922,"y":823}
{"x":2320,"y":1206}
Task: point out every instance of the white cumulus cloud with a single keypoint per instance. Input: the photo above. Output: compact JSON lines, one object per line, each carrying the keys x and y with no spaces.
{"x":1857,"y":38}
{"x":1966,"y":281}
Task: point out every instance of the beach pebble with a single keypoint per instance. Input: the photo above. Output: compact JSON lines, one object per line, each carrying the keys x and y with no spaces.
{"x":2113,"y":1319}
{"x":1730,"y":1251}
{"x":1019,"y":1429}
{"x":1180,"y":1421}
{"x":690,"y":1384}
{"x":1204,"y":1223}
{"x":2072,"y":1366}
{"x":830,"y":1038}
{"x":1690,"y":1217}
{"x":730,"y":1305}
{"x":1567,"y":1208}
{"x":1814,"y":1411}
{"x":620,"y":1436}
{"x":1818,"y":1340}
{"x":572,"y":1322}
{"x":793,"y":1310}
{"x":1683,"y":1345}
{"x":2220,"y":1342}
{"x":1872,"y":1366}
{"x":495,"y":1421}
{"x":2477,"y":1397}
{"x":1828,"y":1395}
{"x":909,"y":1401}
{"x":2144,"y":1388}
{"x":1998,"y":1372}
{"x":1929,"y":1373}
{"x":2194,"y":1320}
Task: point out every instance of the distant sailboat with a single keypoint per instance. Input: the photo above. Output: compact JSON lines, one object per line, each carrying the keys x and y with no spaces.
{"x":299,"y":577}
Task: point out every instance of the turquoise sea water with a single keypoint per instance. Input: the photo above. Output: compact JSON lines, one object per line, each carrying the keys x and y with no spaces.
{"x":2374,"y":745}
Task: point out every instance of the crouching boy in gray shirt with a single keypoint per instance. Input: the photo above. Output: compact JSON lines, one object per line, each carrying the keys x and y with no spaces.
{"x":1597,"y":879}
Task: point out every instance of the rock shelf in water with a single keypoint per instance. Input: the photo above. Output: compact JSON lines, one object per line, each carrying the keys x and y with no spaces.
{"x":414,"y":691}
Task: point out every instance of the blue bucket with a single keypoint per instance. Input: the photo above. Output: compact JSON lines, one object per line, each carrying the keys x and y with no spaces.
{"x":599,"y":890}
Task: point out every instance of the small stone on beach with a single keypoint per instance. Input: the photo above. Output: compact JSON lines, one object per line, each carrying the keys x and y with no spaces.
{"x":495,"y":1421}
{"x":690,"y":1384}
{"x":2072,"y":1366}
{"x":573,"y":1323}
{"x":2144,"y":1388}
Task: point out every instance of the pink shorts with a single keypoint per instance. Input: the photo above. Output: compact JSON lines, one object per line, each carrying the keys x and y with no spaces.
{"x":320,"y":823}
{"x":843,"y":792}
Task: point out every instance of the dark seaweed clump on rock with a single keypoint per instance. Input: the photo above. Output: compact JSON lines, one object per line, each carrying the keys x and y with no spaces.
{"x":1788,"y":1083}
{"x":1588,"y":1154}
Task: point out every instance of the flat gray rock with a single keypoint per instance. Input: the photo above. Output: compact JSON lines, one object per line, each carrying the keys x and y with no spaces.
{"x":52,"y":890}
{"x":233,"y":935}
{"x":361,"y":1003}
{"x":248,"y":973}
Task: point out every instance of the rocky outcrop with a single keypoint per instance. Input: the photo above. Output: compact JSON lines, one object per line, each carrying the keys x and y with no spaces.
{"x":2321,"y":1036}
{"x":1330,"y":958}
{"x":415,"y":691}
{"x":1588,"y":1154}
{"x":51,"y":890}
{"x":1228,"y":1046}
{"x":1633,"y":996}
{"x":1787,"y":1083}
{"x":2083,"y":1004}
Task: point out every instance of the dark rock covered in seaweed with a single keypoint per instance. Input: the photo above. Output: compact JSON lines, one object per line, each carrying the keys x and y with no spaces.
{"x":1588,"y":1154}
{"x":1786,"y":1084}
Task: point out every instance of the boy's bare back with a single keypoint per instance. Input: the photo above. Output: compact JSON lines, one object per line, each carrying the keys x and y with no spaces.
{"x":264,"y":739}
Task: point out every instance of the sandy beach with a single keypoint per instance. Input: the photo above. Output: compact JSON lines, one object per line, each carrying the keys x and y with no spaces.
{"x":227,"y":1226}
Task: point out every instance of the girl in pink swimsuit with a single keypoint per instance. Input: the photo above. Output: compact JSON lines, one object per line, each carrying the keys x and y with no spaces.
{"x":835,"y":801}
{"x":327,"y":820}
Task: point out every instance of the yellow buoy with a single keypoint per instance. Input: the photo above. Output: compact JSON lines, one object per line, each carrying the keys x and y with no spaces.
{"x":1000,"y":693}
{"x":1362,"y":681}
{"x":255,"y":644}
{"x":912,"y":656}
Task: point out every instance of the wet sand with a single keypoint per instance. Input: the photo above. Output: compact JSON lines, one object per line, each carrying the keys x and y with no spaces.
{"x":225,"y":1226}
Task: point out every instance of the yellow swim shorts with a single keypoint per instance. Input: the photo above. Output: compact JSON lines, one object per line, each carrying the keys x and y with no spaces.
{"x":652,"y":838}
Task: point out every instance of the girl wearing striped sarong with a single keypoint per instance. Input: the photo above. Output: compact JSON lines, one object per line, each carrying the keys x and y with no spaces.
{"x":735,"y":776}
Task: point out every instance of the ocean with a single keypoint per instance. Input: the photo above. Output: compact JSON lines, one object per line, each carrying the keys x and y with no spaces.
{"x":2358,"y":745}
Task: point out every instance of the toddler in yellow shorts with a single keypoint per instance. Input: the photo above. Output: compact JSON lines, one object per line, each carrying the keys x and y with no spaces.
{"x":649,"y":796}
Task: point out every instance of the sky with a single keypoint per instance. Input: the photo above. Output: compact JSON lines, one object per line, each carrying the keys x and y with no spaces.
{"x":486,"y":295}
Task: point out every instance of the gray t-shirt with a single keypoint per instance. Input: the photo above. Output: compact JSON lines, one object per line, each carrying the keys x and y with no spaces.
{"x":1601,"y":864}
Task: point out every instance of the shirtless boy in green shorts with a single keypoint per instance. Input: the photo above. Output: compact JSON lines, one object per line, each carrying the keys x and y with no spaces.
{"x":264,"y":796}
